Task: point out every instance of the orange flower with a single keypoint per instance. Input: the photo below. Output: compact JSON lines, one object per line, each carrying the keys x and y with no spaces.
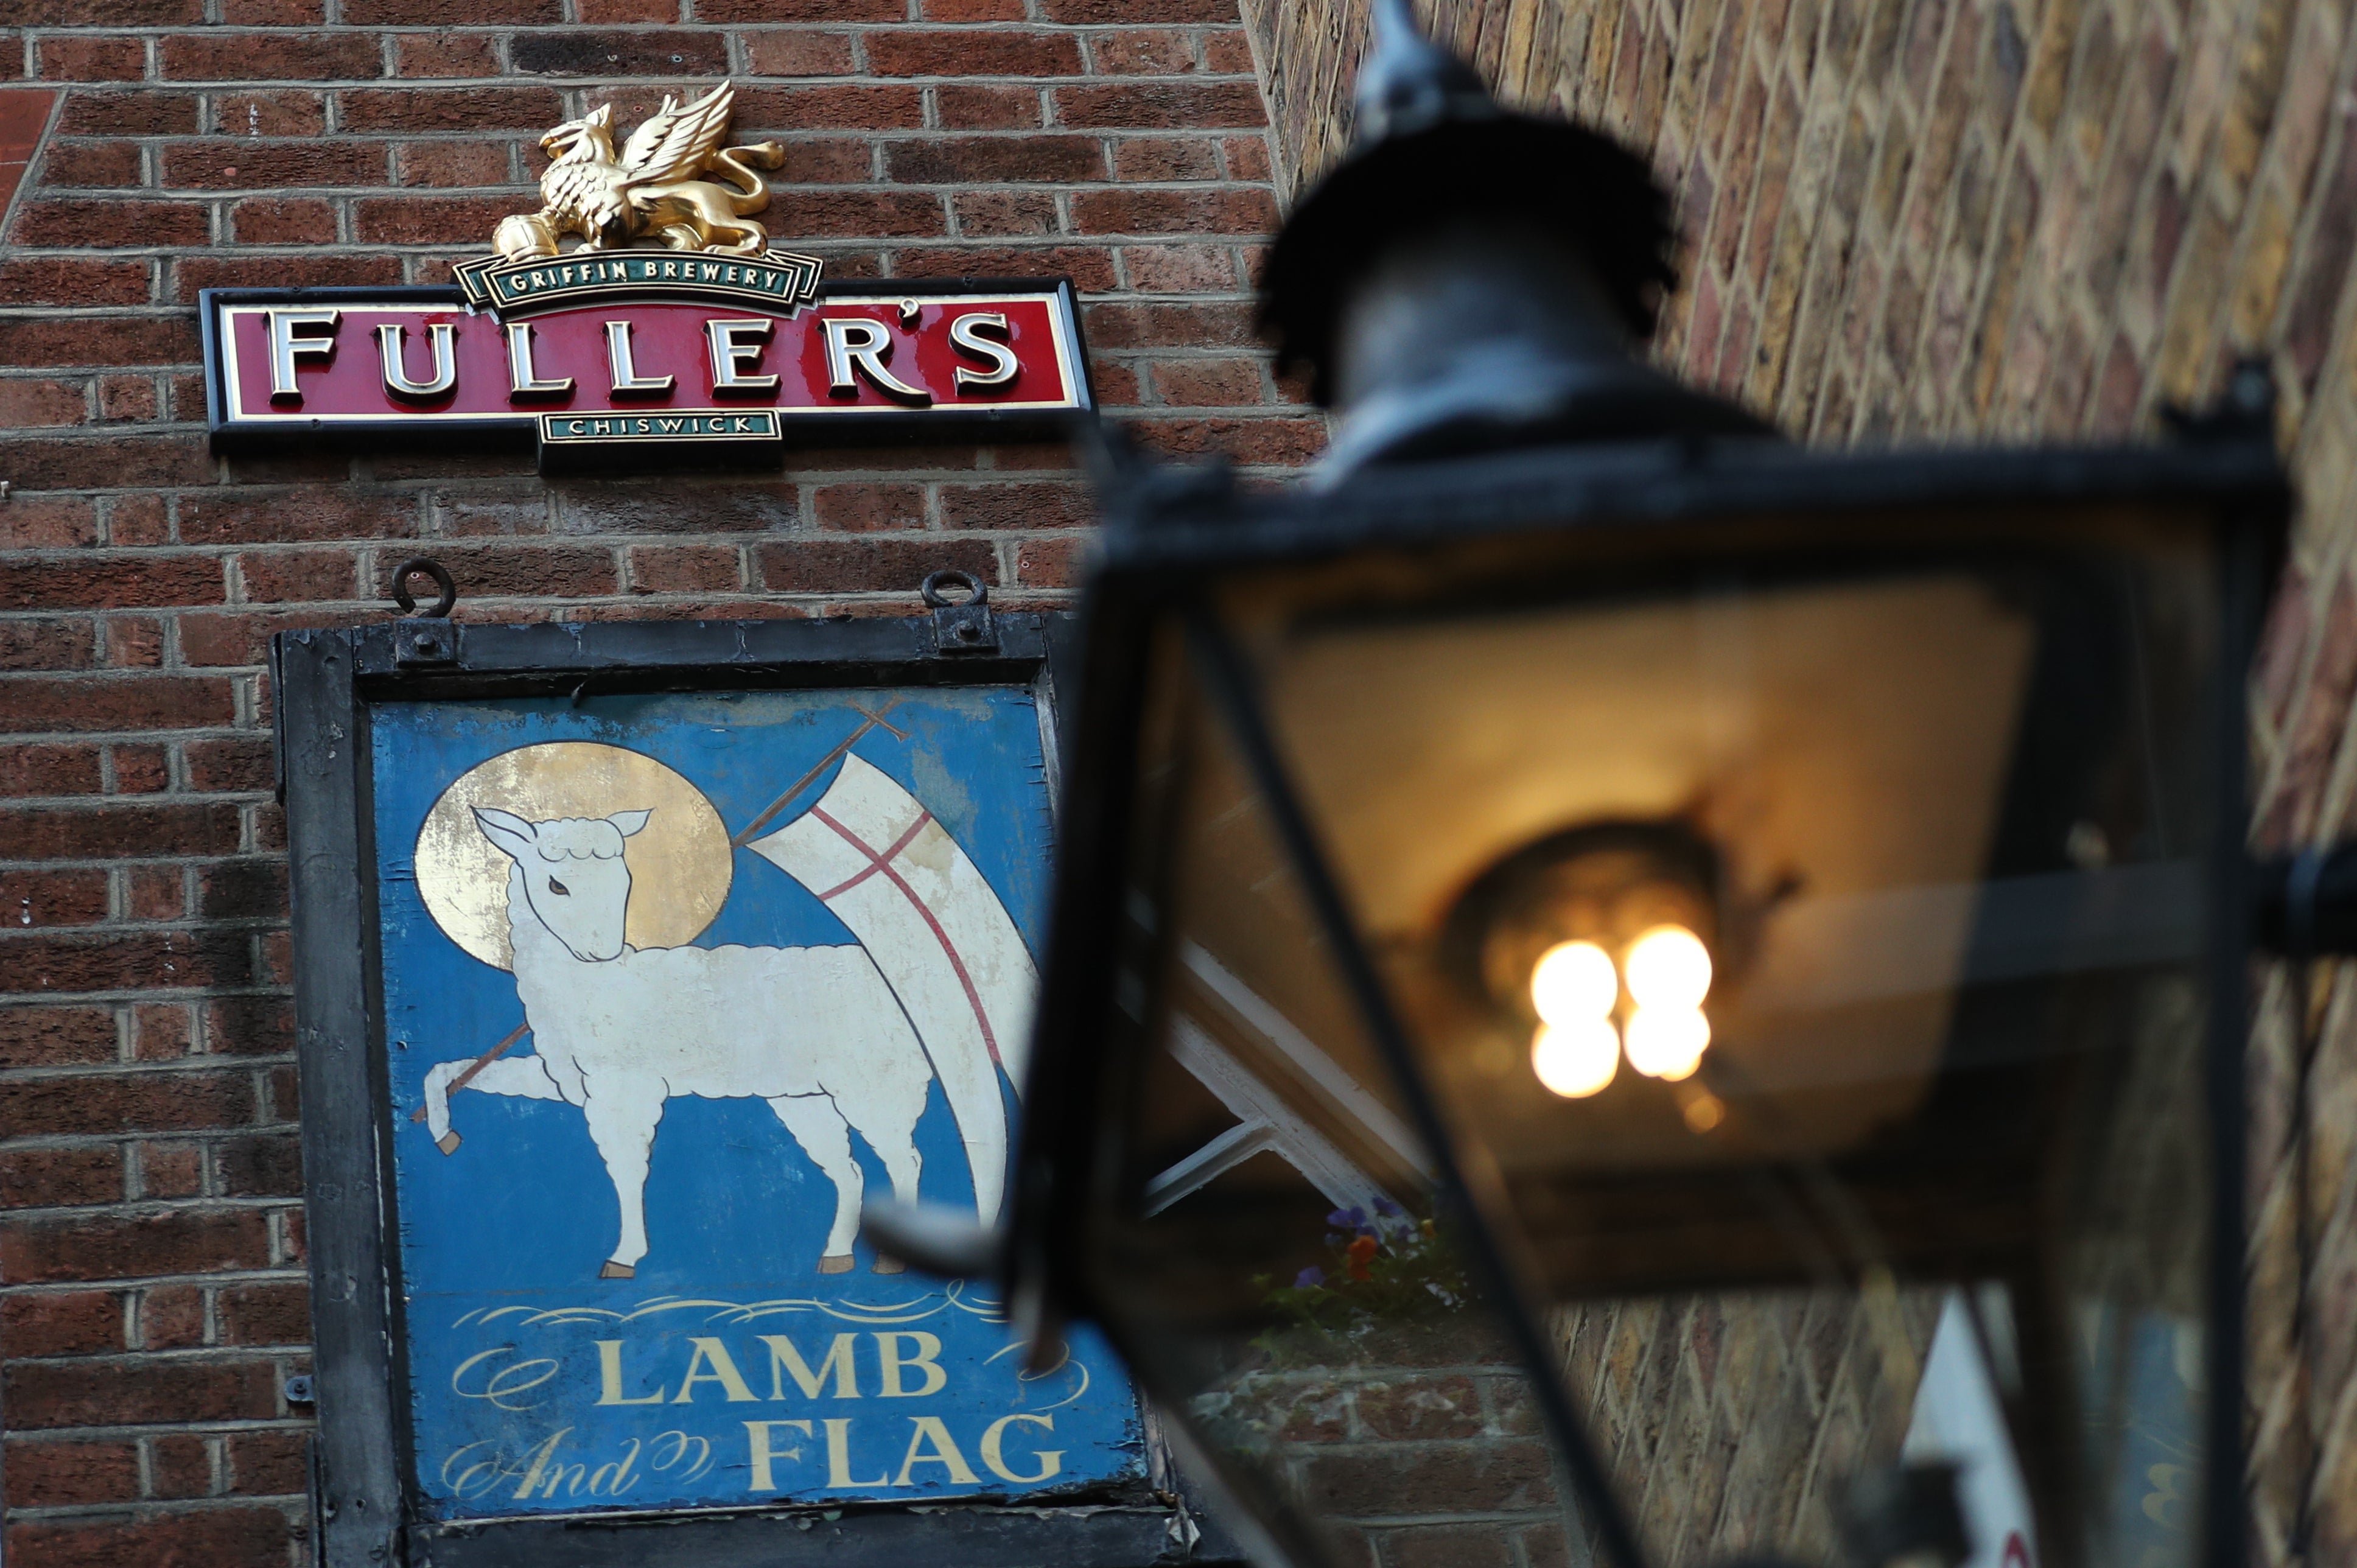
{"x":1361,"y":1252}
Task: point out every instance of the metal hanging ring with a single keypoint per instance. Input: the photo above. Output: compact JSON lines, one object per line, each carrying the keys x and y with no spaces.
{"x":432,"y":568}
{"x":930,"y":590}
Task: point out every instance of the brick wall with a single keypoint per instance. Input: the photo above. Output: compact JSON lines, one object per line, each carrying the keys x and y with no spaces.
{"x":151,"y":1260}
{"x":2022,"y":219}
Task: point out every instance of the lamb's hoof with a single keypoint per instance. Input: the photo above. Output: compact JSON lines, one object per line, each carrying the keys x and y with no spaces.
{"x":889,"y":1266}
{"x":618,"y":1272}
{"x":836,"y":1264}
{"x":449,"y":1143}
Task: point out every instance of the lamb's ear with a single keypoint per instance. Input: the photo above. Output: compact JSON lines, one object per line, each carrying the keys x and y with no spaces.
{"x":630,"y":823}
{"x":507,"y":830}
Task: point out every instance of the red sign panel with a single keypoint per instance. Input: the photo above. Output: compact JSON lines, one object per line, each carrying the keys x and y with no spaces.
{"x":378,"y":362}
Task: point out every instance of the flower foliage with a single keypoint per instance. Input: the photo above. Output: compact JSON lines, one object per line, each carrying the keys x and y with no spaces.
{"x":1388,"y":1268}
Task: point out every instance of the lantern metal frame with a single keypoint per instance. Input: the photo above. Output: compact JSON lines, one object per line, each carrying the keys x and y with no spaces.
{"x":1173,"y":535}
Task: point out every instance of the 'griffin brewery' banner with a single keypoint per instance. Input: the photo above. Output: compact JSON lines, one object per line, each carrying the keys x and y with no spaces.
{"x":631,"y":350}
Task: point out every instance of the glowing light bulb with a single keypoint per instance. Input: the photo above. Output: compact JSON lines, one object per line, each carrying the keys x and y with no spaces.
{"x":1576,"y":1059}
{"x":1574,"y":983}
{"x":1670,"y":969}
{"x":1667,"y":1042}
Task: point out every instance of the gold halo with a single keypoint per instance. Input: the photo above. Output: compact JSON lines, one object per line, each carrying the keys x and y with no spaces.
{"x":680,"y":863}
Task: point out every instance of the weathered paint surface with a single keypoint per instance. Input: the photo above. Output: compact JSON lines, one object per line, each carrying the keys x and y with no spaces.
{"x":731,"y":1364}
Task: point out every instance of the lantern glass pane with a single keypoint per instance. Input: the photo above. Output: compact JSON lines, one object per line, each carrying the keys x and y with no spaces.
{"x":1805,"y":952}
{"x":1276,"y":1265}
{"x":1903,"y":871}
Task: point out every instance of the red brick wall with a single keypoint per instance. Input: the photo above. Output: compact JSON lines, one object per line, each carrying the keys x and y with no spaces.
{"x":150,"y":1257}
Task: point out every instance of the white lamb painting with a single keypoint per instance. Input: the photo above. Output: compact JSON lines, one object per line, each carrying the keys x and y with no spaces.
{"x":833,"y":1038}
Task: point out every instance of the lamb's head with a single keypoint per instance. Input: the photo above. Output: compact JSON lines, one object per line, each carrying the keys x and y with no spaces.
{"x":575,"y":876}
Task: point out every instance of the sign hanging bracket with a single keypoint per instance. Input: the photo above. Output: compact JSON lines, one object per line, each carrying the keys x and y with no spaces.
{"x":960,"y":626}
{"x":430,"y":638}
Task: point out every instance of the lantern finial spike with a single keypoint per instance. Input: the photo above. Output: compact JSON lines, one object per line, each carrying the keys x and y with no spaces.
{"x":1409,"y":83}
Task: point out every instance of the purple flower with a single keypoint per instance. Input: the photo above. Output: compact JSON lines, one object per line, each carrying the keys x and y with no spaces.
{"x":1350,"y":1217}
{"x":1309,"y":1278}
{"x":1387,"y":1209}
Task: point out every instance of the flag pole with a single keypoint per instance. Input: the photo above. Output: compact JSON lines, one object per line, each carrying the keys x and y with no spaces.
{"x":868,"y":721}
{"x":478,"y":1065}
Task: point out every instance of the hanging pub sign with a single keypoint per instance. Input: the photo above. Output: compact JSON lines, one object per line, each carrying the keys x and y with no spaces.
{"x":668,"y":324}
{"x":629,"y":959}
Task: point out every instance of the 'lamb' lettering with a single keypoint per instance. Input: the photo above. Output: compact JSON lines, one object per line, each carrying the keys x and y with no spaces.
{"x":711,"y":1354}
{"x":929,"y":1349}
{"x":785,"y":1360}
{"x":609,"y":1371}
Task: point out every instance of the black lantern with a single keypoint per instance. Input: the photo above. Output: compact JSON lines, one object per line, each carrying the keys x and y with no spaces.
{"x":1614,"y":984}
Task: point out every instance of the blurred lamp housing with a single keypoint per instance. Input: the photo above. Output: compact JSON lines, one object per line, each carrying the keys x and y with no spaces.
{"x":1935,"y":760}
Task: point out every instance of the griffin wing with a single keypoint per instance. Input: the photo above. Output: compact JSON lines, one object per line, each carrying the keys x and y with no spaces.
{"x":677,"y":142}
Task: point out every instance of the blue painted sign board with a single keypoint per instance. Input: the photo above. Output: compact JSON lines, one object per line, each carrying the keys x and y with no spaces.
{"x":751,"y":956}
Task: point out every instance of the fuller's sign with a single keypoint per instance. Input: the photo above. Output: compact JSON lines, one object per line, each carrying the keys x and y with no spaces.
{"x":611,"y":349}
{"x":671,"y":322}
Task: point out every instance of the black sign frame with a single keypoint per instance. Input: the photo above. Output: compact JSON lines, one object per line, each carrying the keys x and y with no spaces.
{"x":365,"y":1507}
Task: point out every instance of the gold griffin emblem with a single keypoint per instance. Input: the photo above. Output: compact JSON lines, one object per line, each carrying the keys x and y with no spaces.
{"x":654,"y":186}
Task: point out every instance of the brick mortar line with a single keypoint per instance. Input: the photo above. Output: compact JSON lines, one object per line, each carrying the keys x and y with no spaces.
{"x":131,"y":925}
{"x":223,"y":1427}
{"x":895,"y":245}
{"x":120,"y":1212}
{"x":396,"y":135}
{"x":279,"y":1273}
{"x":147,"y":1068}
{"x":124,"y":1138}
{"x":143,"y":1507}
{"x":62,"y":802}
{"x":862,"y":27}
{"x":37,"y":1513}
{"x":151,"y":1207}
{"x":162,"y":995}
{"x":1548,"y":1515}
{"x":156,"y":861}
{"x":1361,"y":1447}
{"x":168,"y":924}
{"x":193,"y":1355}
{"x":230,"y":1428}
{"x":164,"y":857}
{"x":249,"y":87}
{"x":1012,"y":26}
{"x":184,"y":798}
{"x":118,"y":1207}
{"x":167,"y":311}
{"x":115,"y":555}
{"x":152,"y":1064}
{"x":190,"y":195}
{"x":137,"y":736}
{"x":1385,"y":1376}
{"x":173,"y":310}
